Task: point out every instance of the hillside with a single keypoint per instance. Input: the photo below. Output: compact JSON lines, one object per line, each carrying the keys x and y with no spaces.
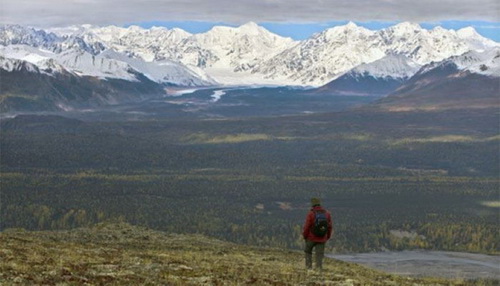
{"x":122,"y":254}
{"x":25,"y":87}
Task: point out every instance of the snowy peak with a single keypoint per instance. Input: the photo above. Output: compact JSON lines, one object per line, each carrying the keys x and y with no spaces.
{"x":43,"y":60}
{"x":405,"y":28}
{"x":77,"y":61}
{"x":475,"y":40}
{"x":85,"y":64}
{"x":377,"y":78}
{"x":16,"y":34}
{"x":324,"y":56}
{"x":17,"y":65}
{"x":223,"y":34}
{"x":485,"y":63}
{"x":348,"y":30}
{"x":176,"y":34}
{"x":232,"y":49}
{"x":251,"y":28}
{"x":470,"y":80}
{"x":394,"y":66}
{"x":468,"y":32}
{"x":329,"y":54}
{"x":248,"y":54}
{"x":107,"y":64}
{"x":350,"y":26}
{"x":133,"y":41}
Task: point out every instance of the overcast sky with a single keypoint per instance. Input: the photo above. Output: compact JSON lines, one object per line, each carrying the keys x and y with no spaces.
{"x":120,"y":12}
{"x":56,"y":13}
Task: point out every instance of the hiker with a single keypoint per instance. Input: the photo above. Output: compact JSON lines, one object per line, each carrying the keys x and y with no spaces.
{"x":317,"y":231}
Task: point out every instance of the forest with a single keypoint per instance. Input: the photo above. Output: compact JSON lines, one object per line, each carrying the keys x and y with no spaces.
{"x":392,"y":180}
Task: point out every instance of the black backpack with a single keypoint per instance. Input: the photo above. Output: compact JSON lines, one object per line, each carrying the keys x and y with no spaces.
{"x":320,"y":227}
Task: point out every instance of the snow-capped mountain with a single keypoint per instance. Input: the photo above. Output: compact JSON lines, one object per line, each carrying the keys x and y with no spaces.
{"x":225,"y":53}
{"x":108,"y":64}
{"x":475,"y":41}
{"x":28,"y":87}
{"x":155,"y":44}
{"x":41,"y":59}
{"x":394,"y":66}
{"x":11,"y":65}
{"x":248,"y":54}
{"x":485,"y":63}
{"x":78,"y":53}
{"x":237,"y":48}
{"x":19,"y":35}
{"x":164,"y":71}
{"x":324,"y":56}
{"x":377,"y":78}
{"x":331,"y":53}
{"x":45,"y":71}
{"x":421,"y":45}
{"x":470,"y":80}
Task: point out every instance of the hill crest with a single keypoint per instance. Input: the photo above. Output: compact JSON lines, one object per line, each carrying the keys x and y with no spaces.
{"x":119,"y":254}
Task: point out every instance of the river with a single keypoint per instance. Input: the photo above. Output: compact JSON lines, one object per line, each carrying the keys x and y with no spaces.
{"x":420,"y":263}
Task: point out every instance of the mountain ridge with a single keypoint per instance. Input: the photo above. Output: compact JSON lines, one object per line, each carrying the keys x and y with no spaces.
{"x":30,"y":88}
{"x":252,"y":51}
{"x":360,"y":61}
{"x":394,"y":74}
{"x":471,"y":80}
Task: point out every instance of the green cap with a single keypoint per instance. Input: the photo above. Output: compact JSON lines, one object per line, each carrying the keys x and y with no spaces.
{"x":315,"y":201}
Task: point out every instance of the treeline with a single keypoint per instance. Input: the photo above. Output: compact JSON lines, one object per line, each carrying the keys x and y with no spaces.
{"x":433,"y":213}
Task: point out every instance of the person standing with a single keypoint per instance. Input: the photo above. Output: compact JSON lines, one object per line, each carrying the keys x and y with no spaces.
{"x":318,"y":229}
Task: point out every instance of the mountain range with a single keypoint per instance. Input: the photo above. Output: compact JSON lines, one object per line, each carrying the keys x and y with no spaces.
{"x":345,"y":59}
{"x":471,"y":80}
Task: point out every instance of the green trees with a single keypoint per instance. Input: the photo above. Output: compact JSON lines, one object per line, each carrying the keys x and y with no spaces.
{"x":369,"y":214}
{"x":377,"y":173}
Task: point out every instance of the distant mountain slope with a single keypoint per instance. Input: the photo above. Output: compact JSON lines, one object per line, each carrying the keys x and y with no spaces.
{"x":26,"y":87}
{"x":378,"y":78}
{"x":250,"y":54}
{"x":81,"y":53}
{"x":41,"y":39}
{"x":104,"y":65}
{"x":471,"y":80}
{"x":226,"y":53}
{"x":121,"y":254}
{"x":333,"y":52}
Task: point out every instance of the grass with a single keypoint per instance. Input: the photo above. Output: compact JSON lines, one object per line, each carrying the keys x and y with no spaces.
{"x":491,"y":204}
{"x":445,"y":139}
{"x":121,"y":254}
{"x":202,"y":138}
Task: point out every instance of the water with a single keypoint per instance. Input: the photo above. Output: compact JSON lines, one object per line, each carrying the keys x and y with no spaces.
{"x":422,"y":263}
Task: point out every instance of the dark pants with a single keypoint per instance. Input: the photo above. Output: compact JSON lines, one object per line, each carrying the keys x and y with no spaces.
{"x":320,"y":253}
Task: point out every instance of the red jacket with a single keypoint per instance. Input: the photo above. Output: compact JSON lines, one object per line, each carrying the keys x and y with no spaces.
{"x":309,"y":223}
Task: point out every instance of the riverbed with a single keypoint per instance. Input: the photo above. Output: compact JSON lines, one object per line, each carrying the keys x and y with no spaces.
{"x":422,"y":263}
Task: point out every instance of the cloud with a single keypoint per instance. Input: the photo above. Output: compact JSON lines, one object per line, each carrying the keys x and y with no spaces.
{"x":488,"y":27}
{"x":48,"y":13}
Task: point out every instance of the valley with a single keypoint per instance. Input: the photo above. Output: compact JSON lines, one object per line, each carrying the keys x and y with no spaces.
{"x":229,"y":133}
{"x":248,"y":179}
